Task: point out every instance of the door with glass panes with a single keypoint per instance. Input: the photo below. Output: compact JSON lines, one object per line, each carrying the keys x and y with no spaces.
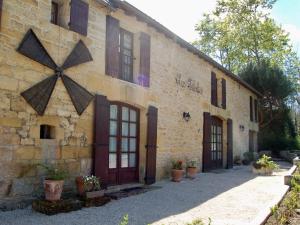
{"x":216,"y":143}
{"x":123,"y":144}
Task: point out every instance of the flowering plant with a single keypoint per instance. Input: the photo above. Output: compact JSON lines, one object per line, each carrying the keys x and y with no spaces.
{"x":177,"y":164}
{"x":192,"y":163}
{"x":91,"y":183}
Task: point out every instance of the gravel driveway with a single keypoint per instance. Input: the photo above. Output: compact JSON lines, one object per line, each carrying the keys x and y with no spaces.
{"x":228,"y":197}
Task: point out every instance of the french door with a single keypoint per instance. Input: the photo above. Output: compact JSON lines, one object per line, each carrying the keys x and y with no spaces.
{"x":123,"y":144}
{"x":216,"y":143}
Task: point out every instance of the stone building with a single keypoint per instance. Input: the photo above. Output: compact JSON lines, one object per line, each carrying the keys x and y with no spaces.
{"x":131,"y":97}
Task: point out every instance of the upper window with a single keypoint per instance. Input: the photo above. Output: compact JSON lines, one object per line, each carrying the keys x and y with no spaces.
{"x":72,"y":14}
{"x":218,"y":91}
{"x":126,"y":53}
{"x":54,"y":13}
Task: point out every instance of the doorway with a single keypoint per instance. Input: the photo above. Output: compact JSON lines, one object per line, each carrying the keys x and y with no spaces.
{"x":123,"y":144}
{"x":216,"y":143}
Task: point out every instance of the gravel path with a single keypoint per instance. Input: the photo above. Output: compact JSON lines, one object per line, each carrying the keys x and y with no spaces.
{"x":228,"y":197}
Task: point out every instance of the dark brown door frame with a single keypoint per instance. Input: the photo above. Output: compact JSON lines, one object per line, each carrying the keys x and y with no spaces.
{"x":119,"y":169}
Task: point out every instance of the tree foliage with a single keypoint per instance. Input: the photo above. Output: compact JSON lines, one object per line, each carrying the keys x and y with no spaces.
{"x":238,"y":32}
{"x":275,"y":121}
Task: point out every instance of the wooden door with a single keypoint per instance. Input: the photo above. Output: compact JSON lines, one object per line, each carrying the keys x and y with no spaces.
{"x":216,"y":153}
{"x":123,"y":144}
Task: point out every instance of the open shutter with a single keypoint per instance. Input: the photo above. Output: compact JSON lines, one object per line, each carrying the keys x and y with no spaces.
{"x":151,"y":145}
{"x":1,"y":3}
{"x":223,"y":93}
{"x":255,"y":110}
{"x":112,"y":46}
{"x":101,"y":138}
{"x":206,"y":141}
{"x":144,"y":76}
{"x":229,"y":144}
{"x":251,"y":108}
{"x":214,"y":96}
{"x":79,"y":16}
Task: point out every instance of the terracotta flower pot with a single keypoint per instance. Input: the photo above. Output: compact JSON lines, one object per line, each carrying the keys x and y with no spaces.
{"x":80,"y":185}
{"x":53,"y":189}
{"x":177,"y":175}
{"x":191,"y":172}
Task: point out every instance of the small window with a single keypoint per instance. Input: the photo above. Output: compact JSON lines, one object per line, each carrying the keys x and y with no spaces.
{"x":54,"y":13}
{"x":47,"y":132}
{"x":126,"y":55}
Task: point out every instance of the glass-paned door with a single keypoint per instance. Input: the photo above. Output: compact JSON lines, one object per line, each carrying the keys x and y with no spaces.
{"x":123,"y":143}
{"x":216,"y":143}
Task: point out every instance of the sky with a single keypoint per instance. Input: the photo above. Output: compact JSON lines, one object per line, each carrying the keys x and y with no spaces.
{"x":181,"y":16}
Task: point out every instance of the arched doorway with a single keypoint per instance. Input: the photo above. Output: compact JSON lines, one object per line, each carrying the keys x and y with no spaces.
{"x":123,"y":144}
{"x":216,"y":146}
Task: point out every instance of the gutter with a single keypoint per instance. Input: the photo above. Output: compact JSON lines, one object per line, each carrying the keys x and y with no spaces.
{"x":133,"y":11}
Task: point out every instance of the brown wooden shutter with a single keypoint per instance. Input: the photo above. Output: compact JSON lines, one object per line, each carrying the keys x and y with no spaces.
{"x":79,"y":16}
{"x":112,"y":47}
{"x":256,"y":110}
{"x":145,"y":44}
{"x":1,"y":3}
{"x":229,"y":144}
{"x":206,"y":141}
{"x":101,"y":138}
{"x":223,"y":93}
{"x":214,"y":95}
{"x":151,"y":145}
{"x":251,"y":108}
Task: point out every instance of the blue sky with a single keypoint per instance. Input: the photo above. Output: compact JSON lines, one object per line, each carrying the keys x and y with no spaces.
{"x":181,"y":16}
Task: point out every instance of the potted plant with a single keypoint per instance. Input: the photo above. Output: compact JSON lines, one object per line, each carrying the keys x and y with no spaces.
{"x":264,"y":166}
{"x":89,"y":186}
{"x":177,"y":170}
{"x":192,"y":169}
{"x":54,"y":181}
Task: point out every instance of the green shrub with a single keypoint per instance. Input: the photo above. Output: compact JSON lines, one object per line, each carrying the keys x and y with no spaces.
{"x":265,"y":162}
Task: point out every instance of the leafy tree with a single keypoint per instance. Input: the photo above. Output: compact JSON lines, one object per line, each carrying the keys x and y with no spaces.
{"x":276,"y":125}
{"x":238,"y":32}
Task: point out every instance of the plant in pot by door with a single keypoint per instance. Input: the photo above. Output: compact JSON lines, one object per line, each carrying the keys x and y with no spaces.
{"x":89,"y":186}
{"x":177,"y":170}
{"x":264,"y":166}
{"x":192,"y":169}
{"x":54,"y":182}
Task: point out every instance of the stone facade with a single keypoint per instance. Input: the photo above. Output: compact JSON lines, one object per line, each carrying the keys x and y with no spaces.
{"x":20,"y":143}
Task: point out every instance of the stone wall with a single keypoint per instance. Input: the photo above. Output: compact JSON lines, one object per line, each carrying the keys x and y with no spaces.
{"x":20,"y":143}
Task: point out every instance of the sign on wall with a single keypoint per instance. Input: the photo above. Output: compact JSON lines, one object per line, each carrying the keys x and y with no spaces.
{"x":189,"y":83}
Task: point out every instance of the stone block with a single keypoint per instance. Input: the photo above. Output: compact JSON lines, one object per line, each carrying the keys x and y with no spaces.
{"x":6,"y":154}
{"x":10,"y":139}
{"x":10,"y":122}
{"x":8,"y":83}
{"x":5,"y":102}
{"x":4,"y":187}
{"x":85,"y":152}
{"x":22,"y":186}
{"x":50,"y":120}
{"x":17,"y":104}
{"x":69,"y":152}
{"x":27,"y":141}
{"x":25,"y":153}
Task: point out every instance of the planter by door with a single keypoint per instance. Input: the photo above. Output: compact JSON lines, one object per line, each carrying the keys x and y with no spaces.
{"x":191,"y":172}
{"x":177,"y":175}
{"x":53,"y":189}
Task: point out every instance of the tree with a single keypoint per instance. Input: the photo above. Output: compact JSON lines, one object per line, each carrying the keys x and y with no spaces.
{"x":275,"y":118}
{"x":239,"y":32}
{"x":275,"y":87}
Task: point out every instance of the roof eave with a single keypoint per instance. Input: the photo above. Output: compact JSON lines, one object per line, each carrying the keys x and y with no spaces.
{"x":131,"y":10}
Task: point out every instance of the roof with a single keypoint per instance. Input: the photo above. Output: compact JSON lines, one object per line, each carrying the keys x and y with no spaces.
{"x":131,"y":10}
